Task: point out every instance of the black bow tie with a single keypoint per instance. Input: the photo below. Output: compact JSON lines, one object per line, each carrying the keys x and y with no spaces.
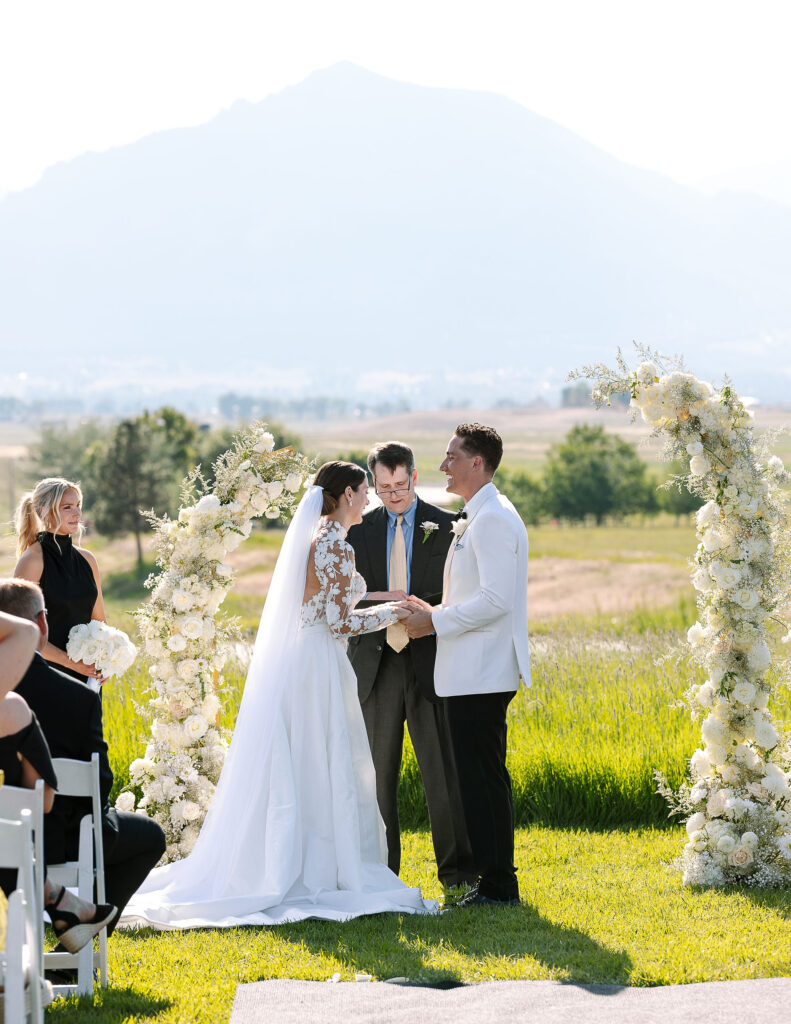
{"x":460,"y":515}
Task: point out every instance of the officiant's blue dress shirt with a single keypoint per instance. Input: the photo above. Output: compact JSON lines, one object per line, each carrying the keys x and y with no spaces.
{"x":408,"y":526}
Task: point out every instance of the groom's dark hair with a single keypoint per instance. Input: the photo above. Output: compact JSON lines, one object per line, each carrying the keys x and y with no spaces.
{"x":484,"y":441}
{"x":392,"y":455}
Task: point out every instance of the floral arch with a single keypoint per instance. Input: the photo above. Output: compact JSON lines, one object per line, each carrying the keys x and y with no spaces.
{"x":186,"y":644}
{"x":737,"y":800}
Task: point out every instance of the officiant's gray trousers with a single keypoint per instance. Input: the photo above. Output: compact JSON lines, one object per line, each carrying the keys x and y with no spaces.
{"x":395,"y":699}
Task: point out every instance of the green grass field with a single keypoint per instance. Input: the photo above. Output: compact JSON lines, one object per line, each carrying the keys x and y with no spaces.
{"x":598,"y":907}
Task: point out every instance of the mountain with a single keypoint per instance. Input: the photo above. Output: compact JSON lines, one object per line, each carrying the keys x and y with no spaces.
{"x":354,"y":231}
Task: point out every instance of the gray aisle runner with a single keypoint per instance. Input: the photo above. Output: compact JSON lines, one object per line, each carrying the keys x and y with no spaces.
{"x":546,"y":1002}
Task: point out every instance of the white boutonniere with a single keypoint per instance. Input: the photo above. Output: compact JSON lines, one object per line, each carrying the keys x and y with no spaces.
{"x":459,"y":527}
{"x":428,"y":528}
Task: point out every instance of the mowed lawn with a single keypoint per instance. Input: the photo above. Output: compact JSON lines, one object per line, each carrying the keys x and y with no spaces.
{"x":598,"y":907}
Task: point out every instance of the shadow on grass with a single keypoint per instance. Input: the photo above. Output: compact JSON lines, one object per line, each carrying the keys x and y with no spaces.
{"x":109,"y":1005}
{"x":771,"y":900}
{"x":497,"y":938}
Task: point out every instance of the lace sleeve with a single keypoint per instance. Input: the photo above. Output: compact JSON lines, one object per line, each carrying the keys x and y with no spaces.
{"x":334,"y":561}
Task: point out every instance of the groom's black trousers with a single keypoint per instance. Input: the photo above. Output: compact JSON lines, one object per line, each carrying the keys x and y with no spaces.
{"x":478,"y":730}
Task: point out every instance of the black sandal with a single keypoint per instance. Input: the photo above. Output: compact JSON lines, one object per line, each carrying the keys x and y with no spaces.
{"x":70,"y":930}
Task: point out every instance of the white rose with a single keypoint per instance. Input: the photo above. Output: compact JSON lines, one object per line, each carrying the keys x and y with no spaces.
{"x":765,"y":733}
{"x":274,"y":490}
{"x":717,"y":801}
{"x":782,"y":817}
{"x":730,"y":774}
{"x":714,"y":540}
{"x":695,"y":822}
{"x":701,"y":581}
{"x":695,"y":634}
{"x":293,"y":482}
{"x":699,"y":465}
{"x":695,"y":448}
{"x":741,"y":856}
{"x":273,"y":513}
{"x":698,"y":792}
{"x":744,"y":692}
{"x":700,"y":763}
{"x":747,"y":598}
{"x":714,"y":731}
{"x":176,"y":642}
{"x":192,"y":627}
{"x":153,"y":647}
{"x":195,"y":726}
{"x":125,"y":802}
{"x":759,"y":657}
{"x":726,"y":844}
{"x":208,"y":503}
{"x":750,"y":839}
{"x":188,"y":669}
{"x":182,"y":601}
{"x":210,"y":706}
{"x":190,"y":811}
{"x":705,"y":695}
{"x":265,"y":443}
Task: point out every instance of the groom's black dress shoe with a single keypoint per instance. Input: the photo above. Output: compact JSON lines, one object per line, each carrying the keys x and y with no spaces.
{"x":475,"y":898}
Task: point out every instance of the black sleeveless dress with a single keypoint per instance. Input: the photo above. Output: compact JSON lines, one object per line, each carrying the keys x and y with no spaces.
{"x":69,"y":590}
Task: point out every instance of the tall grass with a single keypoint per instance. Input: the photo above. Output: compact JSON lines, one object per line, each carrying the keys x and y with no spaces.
{"x":583,"y":742}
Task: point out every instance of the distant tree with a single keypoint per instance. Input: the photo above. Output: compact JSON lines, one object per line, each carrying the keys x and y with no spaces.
{"x":135,"y":476}
{"x":677,"y":501}
{"x":61,"y":451}
{"x":576,"y":395}
{"x":591,"y":473}
{"x":525,"y":491}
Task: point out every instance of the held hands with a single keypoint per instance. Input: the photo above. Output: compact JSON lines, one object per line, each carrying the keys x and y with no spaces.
{"x":416,"y":617}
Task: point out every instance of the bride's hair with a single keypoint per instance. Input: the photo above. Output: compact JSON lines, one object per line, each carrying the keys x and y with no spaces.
{"x":334,"y":478}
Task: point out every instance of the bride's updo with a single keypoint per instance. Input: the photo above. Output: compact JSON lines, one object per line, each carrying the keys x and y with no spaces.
{"x":334,"y":478}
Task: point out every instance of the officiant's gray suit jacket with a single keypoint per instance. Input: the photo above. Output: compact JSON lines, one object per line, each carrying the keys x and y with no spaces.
{"x":369,"y":541}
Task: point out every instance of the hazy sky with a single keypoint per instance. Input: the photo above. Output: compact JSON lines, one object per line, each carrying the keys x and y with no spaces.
{"x":687,"y":88}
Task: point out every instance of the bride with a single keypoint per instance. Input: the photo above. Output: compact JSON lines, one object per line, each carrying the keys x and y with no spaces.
{"x":294,"y":830}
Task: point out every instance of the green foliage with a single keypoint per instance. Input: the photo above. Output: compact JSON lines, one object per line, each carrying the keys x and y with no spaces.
{"x":591,"y":473}
{"x":525,"y":491}
{"x":136,"y":465}
{"x":675,"y":499}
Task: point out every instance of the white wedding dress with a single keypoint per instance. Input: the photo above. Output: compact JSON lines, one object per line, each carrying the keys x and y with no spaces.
{"x":294,"y":830}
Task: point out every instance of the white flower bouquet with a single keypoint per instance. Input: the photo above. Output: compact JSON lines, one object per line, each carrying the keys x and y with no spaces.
{"x":108,"y":650}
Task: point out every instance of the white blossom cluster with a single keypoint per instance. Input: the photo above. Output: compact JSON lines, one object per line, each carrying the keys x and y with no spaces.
{"x":109,"y":650}
{"x":738,"y":799}
{"x":186,"y":647}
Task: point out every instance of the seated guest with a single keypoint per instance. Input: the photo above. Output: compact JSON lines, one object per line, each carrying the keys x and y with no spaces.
{"x":18,"y":643}
{"x":24,"y":759}
{"x":70,"y":714}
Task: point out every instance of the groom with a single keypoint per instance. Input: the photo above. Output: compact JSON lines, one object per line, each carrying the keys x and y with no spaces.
{"x":482,"y":648}
{"x":402,"y":546}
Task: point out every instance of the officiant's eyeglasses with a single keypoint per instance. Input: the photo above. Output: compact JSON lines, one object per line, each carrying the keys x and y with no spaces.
{"x":394,"y":492}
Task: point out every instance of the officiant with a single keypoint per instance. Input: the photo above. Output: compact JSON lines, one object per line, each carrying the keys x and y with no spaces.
{"x":400,"y":547}
{"x":48,"y":522}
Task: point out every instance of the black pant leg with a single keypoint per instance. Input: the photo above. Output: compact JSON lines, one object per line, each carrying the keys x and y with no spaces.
{"x":384,"y":715}
{"x":479,"y":733}
{"x":430,"y":735}
{"x":132,"y":846}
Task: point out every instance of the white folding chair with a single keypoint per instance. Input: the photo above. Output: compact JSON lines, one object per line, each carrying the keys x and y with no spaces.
{"x":81,"y":778}
{"x":20,"y":961}
{"x":13,"y":801}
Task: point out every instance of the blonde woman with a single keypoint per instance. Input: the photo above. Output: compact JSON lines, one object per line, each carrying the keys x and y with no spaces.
{"x":48,"y":520}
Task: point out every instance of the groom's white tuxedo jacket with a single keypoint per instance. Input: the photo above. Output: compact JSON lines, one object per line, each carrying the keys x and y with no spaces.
{"x":481,"y":625}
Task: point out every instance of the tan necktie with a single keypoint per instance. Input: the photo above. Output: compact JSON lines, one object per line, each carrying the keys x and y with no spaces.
{"x":397,"y":636}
